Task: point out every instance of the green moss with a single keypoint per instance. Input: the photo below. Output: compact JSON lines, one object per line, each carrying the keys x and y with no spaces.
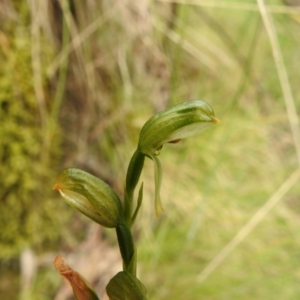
{"x":28,"y":162}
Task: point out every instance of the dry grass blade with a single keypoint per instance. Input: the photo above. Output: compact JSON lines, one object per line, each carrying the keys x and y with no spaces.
{"x":279,"y":9}
{"x":283,"y":76}
{"x":248,"y":227}
{"x":188,"y":47}
{"x":35,"y":9}
{"x":80,"y":38}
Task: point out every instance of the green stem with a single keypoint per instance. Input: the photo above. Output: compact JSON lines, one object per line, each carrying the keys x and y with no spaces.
{"x":133,"y":175}
{"x":127,"y":249}
{"x":125,"y":240}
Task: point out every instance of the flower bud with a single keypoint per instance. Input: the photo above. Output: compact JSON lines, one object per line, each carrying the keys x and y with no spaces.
{"x":175,"y":123}
{"x":91,"y":196}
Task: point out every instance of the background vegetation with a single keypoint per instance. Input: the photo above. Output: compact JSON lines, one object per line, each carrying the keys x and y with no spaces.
{"x":78,"y":79}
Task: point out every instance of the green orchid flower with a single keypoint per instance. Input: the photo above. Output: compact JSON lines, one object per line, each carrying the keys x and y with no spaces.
{"x":168,"y":126}
{"x":175,"y":123}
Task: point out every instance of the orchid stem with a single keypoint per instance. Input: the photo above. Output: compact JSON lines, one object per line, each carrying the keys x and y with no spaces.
{"x":133,"y":175}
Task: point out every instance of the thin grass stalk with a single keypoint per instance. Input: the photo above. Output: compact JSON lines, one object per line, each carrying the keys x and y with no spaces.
{"x":282,"y":75}
{"x":59,"y":94}
{"x":80,"y":38}
{"x":278,"y":9}
{"x":249,"y":226}
{"x":36,"y":61}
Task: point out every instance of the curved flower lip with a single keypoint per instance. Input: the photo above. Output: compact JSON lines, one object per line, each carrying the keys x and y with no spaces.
{"x":178,"y":122}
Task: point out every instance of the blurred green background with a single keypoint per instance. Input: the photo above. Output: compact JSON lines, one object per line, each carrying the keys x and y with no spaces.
{"x":78,"y":79}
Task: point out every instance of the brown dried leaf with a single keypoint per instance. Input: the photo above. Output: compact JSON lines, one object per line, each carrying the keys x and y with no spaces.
{"x":81,"y":288}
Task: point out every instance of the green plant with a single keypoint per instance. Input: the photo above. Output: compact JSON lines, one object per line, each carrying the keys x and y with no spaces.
{"x":95,"y":199}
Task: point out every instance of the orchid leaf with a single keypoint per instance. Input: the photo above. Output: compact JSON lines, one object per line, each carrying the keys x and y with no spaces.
{"x":124,"y":286}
